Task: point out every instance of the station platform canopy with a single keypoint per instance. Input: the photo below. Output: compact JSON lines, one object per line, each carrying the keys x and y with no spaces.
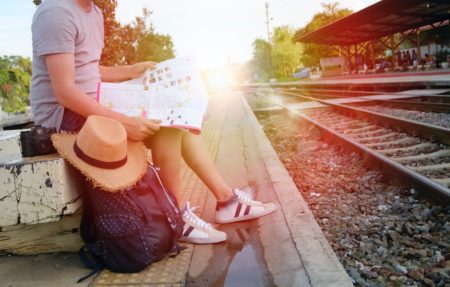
{"x":383,"y":18}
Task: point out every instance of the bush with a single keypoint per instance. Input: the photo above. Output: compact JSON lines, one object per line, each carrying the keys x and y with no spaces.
{"x":15,"y":78}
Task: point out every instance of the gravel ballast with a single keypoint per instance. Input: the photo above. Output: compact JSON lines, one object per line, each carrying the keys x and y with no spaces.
{"x":434,"y":118}
{"x":384,"y":235}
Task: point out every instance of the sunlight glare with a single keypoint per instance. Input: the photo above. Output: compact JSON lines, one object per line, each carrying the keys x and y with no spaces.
{"x":219,"y":79}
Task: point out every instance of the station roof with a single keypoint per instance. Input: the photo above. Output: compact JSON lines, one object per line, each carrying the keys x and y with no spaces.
{"x":383,"y":18}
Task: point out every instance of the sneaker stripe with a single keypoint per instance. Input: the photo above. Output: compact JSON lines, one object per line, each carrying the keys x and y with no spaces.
{"x":238,"y":209}
{"x":188,"y":231}
{"x":247,"y":210}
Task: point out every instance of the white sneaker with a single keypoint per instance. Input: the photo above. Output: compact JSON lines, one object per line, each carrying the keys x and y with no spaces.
{"x":240,"y":208}
{"x":246,"y":191}
{"x":198,"y":231}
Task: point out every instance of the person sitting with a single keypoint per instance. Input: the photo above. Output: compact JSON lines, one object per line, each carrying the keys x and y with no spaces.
{"x":384,"y":64}
{"x":429,"y":60}
{"x":67,"y":37}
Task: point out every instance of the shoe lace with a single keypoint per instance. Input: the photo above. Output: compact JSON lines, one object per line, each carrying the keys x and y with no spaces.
{"x":194,"y":219}
{"x":244,"y":198}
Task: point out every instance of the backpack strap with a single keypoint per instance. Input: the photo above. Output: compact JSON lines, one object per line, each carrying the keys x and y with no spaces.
{"x":91,"y":261}
{"x":167,"y":204}
{"x":165,"y":199}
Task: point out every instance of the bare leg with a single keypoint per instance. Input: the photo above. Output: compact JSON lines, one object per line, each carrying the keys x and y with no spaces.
{"x":166,"y":153}
{"x":196,"y":155}
{"x":168,"y":145}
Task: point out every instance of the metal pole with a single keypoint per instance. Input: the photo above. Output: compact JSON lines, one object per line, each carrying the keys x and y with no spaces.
{"x":392,"y":52}
{"x":372,"y":54}
{"x":419,"y":52}
{"x":269,"y":41}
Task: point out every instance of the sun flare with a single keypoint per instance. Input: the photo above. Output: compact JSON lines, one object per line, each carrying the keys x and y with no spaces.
{"x":219,"y":79}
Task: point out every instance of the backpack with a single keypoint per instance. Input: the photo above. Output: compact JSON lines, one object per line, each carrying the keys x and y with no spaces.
{"x":128,"y":230}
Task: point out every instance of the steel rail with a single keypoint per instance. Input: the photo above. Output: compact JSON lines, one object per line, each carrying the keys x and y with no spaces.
{"x":442,"y":103}
{"x":422,"y":106}
{"x":437,"y":94}
{"x":404,"y":174}
{"x":430,"y":131}
{"x":436,"y":98}
{"x":441,"y":94}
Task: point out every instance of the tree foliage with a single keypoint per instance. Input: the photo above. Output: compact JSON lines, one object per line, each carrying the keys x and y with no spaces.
{"x":284,"y":56}
{"x":144,"y":44}
{"x":130,"y":43}
{"x":313,"y":52}
{"x":15,"y":77}
{"x":260,"y":63}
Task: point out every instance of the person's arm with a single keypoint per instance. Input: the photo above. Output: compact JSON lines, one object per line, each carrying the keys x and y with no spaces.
{"x":123,"y":73}
{"x":61,"y":69}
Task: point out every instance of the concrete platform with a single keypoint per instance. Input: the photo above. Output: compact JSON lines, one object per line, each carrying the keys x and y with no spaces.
{"x":438,"y":77}
{"x":286,"y":248}
{"x":398,"y":80}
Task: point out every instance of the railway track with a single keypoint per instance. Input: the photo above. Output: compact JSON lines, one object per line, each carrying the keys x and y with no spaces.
{"x":417,"y":153}
{"x":438,"y":114}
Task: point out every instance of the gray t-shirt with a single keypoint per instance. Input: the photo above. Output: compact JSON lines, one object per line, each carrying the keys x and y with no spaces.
{"x":62,"y":26}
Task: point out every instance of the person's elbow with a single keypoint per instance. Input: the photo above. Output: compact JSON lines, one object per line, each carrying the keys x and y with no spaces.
{"x":64,"y":93}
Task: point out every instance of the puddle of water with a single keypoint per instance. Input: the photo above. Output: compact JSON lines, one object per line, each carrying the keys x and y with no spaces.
{"x":237,"y":262}
{"x":244,"y":269}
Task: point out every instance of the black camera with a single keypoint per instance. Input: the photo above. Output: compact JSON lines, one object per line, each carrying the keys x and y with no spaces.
{"x":37,"y":141}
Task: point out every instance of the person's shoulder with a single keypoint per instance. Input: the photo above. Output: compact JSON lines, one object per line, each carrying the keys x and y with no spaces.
{"x":55,"y":6}
{"x":97,"y":10}
{"x":52,"y":13}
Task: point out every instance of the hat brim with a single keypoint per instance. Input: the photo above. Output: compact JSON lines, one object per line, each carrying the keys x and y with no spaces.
{"x":111,"y":180}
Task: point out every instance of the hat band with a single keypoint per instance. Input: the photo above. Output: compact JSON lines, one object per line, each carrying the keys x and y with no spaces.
{"x":96,"y":162}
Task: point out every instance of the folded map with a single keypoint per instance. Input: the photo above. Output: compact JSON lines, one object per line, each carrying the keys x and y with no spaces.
{"x":173,"y":92}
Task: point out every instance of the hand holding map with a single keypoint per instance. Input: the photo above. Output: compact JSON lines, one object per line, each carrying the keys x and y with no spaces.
{"x":173,"y":92}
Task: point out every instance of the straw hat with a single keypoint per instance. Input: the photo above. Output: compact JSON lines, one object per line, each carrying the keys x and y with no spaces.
{"x":103,"y":154}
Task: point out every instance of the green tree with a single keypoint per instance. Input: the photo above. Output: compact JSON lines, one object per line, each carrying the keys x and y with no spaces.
{"x":313,"y":52}
{"x":15,"y":77}
{"x":143,"y":44}
{"x":284,"y":54}
{"x":260,"y":63}
{"x":154,"y":47}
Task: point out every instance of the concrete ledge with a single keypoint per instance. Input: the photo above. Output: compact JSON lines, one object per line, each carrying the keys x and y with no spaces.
{"x":9,"y":146}
{"x":51,"y":237}
{"x":318,"y":258}
{"x":37,"y":190}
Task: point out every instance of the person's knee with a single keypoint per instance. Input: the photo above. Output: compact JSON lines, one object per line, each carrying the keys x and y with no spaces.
{"x":169,"y":133}
{"x":164,"y":137}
